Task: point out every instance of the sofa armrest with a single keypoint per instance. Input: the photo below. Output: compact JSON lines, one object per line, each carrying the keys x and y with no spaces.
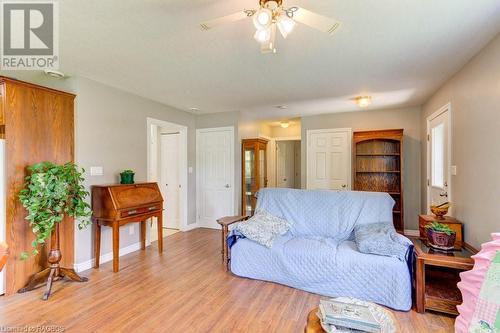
{"x":228,"y":220}
{"x":225,"y":222}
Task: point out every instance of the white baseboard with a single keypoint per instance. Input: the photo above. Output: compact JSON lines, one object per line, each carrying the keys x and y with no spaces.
{"x":83,"y":266}
{"x":190,"y":227}
{"x":411,"y":232}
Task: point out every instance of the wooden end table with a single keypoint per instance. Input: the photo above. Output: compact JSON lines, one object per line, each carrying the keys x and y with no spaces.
{"x":437,"y":275}
{"x":313,"y":323}
{"x":225,"y":222}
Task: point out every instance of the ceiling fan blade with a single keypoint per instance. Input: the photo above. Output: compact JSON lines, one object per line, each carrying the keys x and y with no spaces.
{"x":316,"y":21}
{"x":226,"y":19}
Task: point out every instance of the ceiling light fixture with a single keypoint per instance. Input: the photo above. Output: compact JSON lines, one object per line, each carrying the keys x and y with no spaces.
{"x":363,"y":101}
{"x":194,"y":109}
{"x":281,"y":107}
{"x":285,"y":124}
{"x":272,"y":15}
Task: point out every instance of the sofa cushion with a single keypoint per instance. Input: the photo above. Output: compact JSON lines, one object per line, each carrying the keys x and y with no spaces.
{"x":382,"y":239}
{"x":263,"y":227}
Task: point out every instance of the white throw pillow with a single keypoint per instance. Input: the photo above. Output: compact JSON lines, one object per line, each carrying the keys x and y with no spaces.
{"x":263,"y":227}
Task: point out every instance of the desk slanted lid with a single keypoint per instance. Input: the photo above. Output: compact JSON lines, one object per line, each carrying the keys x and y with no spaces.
{"x":107,"y":200}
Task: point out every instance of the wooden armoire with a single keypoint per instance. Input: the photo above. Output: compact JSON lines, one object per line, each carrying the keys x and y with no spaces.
{"x":378,"y":166}
{"x":37,"y":124}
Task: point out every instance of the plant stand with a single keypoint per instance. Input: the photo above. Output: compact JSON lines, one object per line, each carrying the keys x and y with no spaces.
{"x":54,"y":272}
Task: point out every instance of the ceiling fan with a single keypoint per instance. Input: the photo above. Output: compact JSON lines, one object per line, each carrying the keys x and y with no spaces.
{"x":272,"y":16}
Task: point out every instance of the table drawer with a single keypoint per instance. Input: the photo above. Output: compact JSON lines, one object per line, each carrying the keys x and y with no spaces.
{"x":141,"y":210}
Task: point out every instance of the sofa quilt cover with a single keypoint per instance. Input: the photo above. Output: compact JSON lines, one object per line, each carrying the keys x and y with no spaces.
{"x":318,"y":253}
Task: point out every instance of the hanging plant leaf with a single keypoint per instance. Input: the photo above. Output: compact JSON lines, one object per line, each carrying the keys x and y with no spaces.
{"x":50,"y":192}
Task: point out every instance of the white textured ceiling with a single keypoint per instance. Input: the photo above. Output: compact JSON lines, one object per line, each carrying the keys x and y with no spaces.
{"x":399,"y":51}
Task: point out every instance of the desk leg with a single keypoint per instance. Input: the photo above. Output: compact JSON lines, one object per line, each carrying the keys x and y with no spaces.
{"x":97,"y":244}
{"x":160,"y":232}
{"x":420,"y":286}
{"x":116,"y":247}
{"x":143,"y":235}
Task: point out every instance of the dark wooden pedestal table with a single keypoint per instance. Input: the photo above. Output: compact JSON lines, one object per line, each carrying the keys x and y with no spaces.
{"x":437,"y":276}
{"x":116,"y":205}
{"x":54,"y":272}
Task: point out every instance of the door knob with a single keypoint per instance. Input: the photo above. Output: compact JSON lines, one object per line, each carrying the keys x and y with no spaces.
{"x":284,"y":179}
{"x":344,"y":186}
{"x":227,"y":186}
{"x":166,"y":184}
{"x":443,"y":194}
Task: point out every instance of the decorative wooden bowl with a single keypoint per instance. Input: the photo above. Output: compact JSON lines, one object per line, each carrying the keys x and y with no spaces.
{"x":440,"y":211}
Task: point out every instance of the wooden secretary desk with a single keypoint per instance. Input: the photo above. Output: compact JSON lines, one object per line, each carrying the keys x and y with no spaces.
{"x":116,"y":205}
{"x":253,"y":172}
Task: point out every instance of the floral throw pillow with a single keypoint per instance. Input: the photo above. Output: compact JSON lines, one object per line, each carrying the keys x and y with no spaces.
{"x":263,"y":227}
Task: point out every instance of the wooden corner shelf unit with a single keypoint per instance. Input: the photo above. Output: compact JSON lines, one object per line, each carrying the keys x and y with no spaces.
{"x":378,"y":166}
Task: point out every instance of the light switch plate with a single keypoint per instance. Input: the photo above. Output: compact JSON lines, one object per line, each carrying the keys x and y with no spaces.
{"x":131,"y":230}
{"x":190,"y":170}
{"x":96,"y":171}
{"x":453,"y":170}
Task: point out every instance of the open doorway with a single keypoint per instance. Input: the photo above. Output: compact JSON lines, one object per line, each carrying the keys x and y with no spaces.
{"x":167,"y":165}
{"x":288,"y":164}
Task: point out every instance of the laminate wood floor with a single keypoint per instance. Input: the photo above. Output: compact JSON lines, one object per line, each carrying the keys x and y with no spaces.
{"x":183,"y":290}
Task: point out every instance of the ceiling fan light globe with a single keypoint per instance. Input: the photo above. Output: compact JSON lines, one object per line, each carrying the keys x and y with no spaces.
{"x":263,"y":18}
{"x":285,"y":25}
{"x":262,"y":35}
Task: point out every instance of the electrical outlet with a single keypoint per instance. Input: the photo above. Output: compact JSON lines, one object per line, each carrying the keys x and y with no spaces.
{"x":131,"y":230}
{"x":453,"y":170}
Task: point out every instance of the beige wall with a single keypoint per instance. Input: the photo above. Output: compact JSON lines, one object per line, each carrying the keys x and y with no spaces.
{"x":408,"y":119}
{"x":111,"y":131}
{"x":474,"y":94}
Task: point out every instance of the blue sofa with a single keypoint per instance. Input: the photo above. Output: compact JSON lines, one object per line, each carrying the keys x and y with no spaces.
{"x":318,"y":254}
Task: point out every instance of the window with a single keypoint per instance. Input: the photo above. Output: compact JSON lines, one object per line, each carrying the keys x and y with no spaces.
{"x":437,"y":136}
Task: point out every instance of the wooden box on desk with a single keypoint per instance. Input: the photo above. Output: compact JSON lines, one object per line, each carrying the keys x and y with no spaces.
{"x":453,"y":223}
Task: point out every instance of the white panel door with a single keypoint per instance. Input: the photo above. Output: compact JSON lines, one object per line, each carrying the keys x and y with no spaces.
{"x":215,"y":174}
{"x":169,"y":179}
{"x":329,"y":159}
{"x":439,"y":155}
{"x":285,"y":164}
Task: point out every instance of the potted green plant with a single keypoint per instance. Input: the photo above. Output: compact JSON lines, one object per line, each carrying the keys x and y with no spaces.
{"x":440,"y":236}
{"x":50,"y":193}
{"x":127,"y":177}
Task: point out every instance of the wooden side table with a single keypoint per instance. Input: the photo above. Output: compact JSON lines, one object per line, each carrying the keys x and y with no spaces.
{"x":313,"y":323}
{"x":225,"y":222}
{"x":436,"y":276}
